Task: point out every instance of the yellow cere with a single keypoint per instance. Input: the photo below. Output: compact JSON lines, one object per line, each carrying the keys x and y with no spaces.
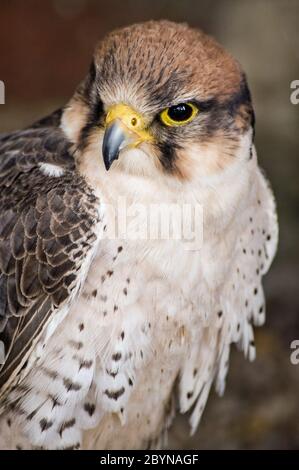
{"x":132,"y":121}
{"x":169,"y":121}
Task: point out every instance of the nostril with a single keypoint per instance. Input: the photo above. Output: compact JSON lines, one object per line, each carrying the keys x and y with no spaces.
{"x":134,"y":121}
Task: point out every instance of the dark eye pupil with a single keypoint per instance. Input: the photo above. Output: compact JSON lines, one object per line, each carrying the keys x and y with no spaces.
{"x":180,"y":112}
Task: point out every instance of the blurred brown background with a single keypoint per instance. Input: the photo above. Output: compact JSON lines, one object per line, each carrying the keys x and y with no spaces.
{"x":45,"y":49}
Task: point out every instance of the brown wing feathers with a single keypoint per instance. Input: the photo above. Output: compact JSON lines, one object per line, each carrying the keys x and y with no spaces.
{"x":46,"y":229}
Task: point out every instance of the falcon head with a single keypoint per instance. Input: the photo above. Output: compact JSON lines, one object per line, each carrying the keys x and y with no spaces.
{"x":161,"y":98}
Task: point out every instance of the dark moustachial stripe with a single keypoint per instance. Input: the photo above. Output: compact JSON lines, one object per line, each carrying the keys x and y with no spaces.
{"x":90,"y":96}
{"x":168,"y":155}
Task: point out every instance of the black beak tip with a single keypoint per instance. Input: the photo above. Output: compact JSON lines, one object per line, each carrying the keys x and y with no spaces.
{"x":109,"y":159}
{"x":110,"y":152}
{"x":113,"y":140}
{"x":107,"y":165}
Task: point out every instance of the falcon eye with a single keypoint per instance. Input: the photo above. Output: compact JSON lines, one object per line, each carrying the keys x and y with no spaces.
{"x":179,"y":114}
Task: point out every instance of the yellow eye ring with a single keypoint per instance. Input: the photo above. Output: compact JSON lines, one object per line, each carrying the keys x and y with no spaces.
{"x":179,"y":115}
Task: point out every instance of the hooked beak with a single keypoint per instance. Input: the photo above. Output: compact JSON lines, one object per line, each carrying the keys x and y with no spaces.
{"x":114,"y":141}
{"x":124,"y":128}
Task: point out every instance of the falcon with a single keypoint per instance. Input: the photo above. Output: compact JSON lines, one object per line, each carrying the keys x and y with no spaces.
{"x":105,"y":338}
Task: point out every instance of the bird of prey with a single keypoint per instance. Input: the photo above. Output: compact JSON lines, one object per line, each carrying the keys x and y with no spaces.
{"x":105,"y":338}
